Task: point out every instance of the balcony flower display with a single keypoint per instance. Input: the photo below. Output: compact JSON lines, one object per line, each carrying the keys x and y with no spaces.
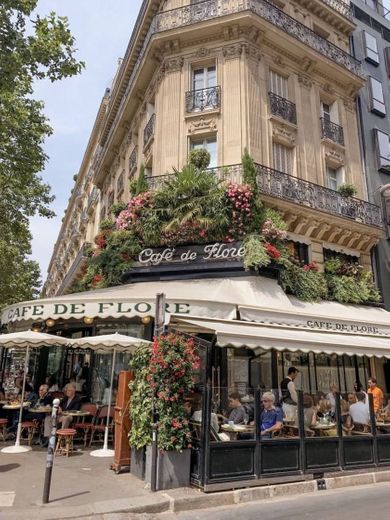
{"x":196,"y":206}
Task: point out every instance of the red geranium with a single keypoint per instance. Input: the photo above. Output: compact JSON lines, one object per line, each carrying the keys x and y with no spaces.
{"x":272,"y":251}
{"x":310,"y":267}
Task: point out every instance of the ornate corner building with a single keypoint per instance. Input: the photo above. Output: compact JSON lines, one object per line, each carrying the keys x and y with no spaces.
{"x":275,"y":77}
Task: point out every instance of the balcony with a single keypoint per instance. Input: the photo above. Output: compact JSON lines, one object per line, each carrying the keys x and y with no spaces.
{"x":203,"y":99}
{"x":149,"y":129}
{"x":133,"y":159}
{"x":92,"y":200}
{"x":341,"y":7}
{"x":211,"y":9}
{"x":332,"y":131}
{"x":280,"y":185}
{"x":283,"y":108}
{"x":74,"y":268}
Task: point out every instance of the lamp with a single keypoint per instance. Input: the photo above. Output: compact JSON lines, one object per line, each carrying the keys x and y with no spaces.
{"x":88,"y":320}
{"x":36,"y":327}
{"x":50,"y":323}
{"x":146,"y":320}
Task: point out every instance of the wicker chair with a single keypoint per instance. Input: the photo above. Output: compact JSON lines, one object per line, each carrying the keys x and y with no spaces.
{"x":86,"y":425}
{"x":101,"y":422}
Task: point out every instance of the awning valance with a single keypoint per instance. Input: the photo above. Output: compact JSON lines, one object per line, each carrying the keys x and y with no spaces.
{"x":215,"y":298}
{"x":260,"y":336}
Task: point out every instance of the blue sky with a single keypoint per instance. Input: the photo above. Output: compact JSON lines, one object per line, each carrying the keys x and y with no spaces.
{"x":102,"y":30}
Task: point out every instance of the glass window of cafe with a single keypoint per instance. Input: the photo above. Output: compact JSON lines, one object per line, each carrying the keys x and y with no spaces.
{"x":102,"y":362}
{"x":247,"y":368}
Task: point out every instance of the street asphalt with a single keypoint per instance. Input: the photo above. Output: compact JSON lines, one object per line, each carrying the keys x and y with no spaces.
{"x":355,"y":503}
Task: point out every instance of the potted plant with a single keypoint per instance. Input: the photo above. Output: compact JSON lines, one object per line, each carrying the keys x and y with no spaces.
{"x":168,"y":379}
{"x":347,"y":190}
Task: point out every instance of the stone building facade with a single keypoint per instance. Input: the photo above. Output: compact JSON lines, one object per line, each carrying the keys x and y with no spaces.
{"x":276,"y":78}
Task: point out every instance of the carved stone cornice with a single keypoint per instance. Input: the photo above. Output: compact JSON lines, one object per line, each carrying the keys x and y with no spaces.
{"x":252,"y":52}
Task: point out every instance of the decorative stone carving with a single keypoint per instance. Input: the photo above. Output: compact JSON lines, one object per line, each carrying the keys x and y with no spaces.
{"x":305,"y":81}
{"x":173,"y":65}
{"x":252,"y":52}
{"x":350,"y":104}
{"x":202,"y":52}
{"x":334,"y":157}
{"x":231,"y":52}
{"x":279,"y":61}
{"x":201,"y":125}
{"x":327,"y":87}
{"x":283,"y":134}
{"x":307,"y":65}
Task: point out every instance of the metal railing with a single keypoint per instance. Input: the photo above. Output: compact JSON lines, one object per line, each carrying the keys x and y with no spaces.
{"x":283,"y":108}
{"x":92,"y":199}
{"x":149,"y":129}
{"x":203,"y":99}
{"x":280,"y":185}
{"x":332,"y":131}
{"x":73,"y":270}
{"x":341,"y":7}
{"x":133,"y":159}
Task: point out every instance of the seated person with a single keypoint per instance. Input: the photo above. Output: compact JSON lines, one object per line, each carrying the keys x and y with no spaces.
{"x":195,"y":409}
{"x":30,"y":395}
{"x":346,"y":419}
{"x":71,"y":402}
{"x":51,"y":382}
{"x":45,"y":399}
{"x":238,"y":413}
{"x":271,"y":418}
{"x":359,"y":411}
{"x":309,"y":411}
{"x":324,"y":409}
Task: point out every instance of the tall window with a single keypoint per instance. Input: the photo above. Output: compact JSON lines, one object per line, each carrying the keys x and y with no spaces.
{"x":209,"y":144}
{"x":204,"y":77}
{"x":371,"y":48}
{"x":326,"y":111}
{"x":383,"y":150}
{"x":333,"y":178}
{"x":283,"y":158}
{"x":377,"y":100}
{"x":278,"y":84}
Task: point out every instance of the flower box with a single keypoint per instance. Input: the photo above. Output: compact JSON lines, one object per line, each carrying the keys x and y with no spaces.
{"x":138,"y":462}
{"x":173,"y":468}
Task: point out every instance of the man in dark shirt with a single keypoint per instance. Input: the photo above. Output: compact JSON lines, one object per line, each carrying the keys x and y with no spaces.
{"x":237,"y":415}
{"x":271,"y":418}
{"x":289,"y":393}
{"x":71,"y":402}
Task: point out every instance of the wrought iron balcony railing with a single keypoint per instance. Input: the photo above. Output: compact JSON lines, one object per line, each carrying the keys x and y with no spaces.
{"x":92,"y":199}
{"x":203,"y":99}
{"x":133,"y":159}
{"x":283,"y":108}
{"x":332,"y":131}
{"x":299,"y":191}
{"x":341,"y":7}
{"x":74,"y":268}
{"x":149,"y":129}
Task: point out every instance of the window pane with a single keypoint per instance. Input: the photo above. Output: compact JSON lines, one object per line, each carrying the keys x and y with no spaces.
{"x":326,"y":111}
{"x":211,"y":146}
{"x":278,"y":84}
{"x":282,"y":158}
{"x":211,"y":77}
{"x":198,"y":80}
{"x":371,"y":47}
{"x":378,"y":104}
{"x":383,"y":148}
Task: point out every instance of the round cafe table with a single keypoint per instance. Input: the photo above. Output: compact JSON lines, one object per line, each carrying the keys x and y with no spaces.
{"x":76,"y":413}
{"x":41,"y":409}
{"x":26,"y":404}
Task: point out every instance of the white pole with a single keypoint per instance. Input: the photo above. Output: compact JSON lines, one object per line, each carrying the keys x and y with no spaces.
{"x":105,"y":452}
{"x":17,"y":448}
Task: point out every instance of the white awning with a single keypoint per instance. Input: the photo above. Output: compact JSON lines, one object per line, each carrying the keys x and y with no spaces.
{"x":259,"y":336}
{"x":214,"y":298}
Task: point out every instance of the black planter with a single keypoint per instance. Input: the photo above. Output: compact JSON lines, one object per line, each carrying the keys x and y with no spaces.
{"x":138,"y":462}
{"x":173,"y":468}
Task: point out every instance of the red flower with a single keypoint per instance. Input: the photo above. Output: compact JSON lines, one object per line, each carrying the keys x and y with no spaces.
{"x":97,"y":279}
{"x":310,"y":267}
{"x":272,"y":251}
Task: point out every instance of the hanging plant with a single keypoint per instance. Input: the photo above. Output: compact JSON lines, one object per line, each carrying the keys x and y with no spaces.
{"x":141,"y":398}
{"x":255,"y":254}
{"x":171,"y":375}
{"x":305,"y":284}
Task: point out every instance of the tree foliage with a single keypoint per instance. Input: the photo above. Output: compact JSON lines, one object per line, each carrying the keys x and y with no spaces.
{"x":31,"y":48}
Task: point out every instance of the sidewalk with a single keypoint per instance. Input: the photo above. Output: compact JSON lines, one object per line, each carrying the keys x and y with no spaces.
{"x":83,"y":486}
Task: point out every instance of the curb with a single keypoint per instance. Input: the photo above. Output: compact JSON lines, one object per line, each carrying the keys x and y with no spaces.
{"x":172,"y":501}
